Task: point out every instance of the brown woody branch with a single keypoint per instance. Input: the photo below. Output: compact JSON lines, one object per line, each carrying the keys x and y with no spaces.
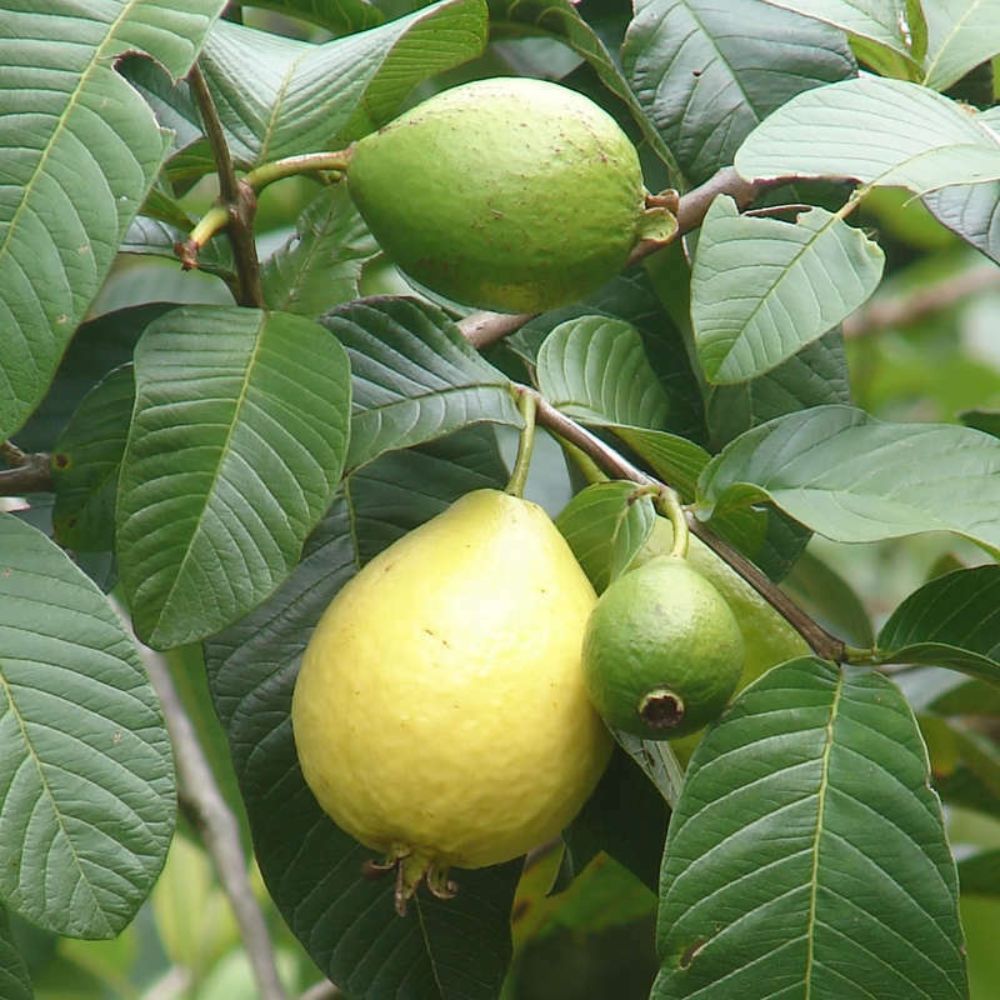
{"x":237,"y":198}
{"x":27,"y":473}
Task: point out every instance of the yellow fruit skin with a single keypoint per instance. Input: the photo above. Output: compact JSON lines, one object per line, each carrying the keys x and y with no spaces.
{"x":440,"y":707}
{"x":509,"y":194}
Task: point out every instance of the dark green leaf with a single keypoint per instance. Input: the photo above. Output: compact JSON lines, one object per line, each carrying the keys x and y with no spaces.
{"x":86,"y":780}
{"x":816,"y":376}
{"x":979,"y":873}
{"x":807,"y":854}
{"x":339,"y":17}
{"x":85,"y":464}
{"x":157,"y":238}
{"x":99,"y":346}
{"x":762,"y":289}
{"x":606,"y":525}
{"x":830,"y":599}
{"x":843,"y":131}
{"x":235,"y":449}
{"x":81,"y":150}
{"x":320,"y":266}
{"x":15,"y":983}
{"x":987,"y":421}
{"x":626,"y":817}
{"x":414,"y":376}
{"x":856,"y":479}
{"x":454,"y":950}
{"x":306,"y":96}
{"x":953,"y":621}
{"x":705,"y":86}
{"x":560,"y":19}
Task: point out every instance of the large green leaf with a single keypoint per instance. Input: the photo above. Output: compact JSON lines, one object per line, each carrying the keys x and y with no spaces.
{"x":235,"y":449}
{"x":306,"y":96}
{"x":762,"y":289}
{"x":961,"y":34}
{"x":705,"y":86}
{"x":86,"y":780}
{"x":340,"y":17}
{"x":595,"y":369}
{"x":15,"y":983}
{"x":454,"y":950}
{"x":85,"y":464}
{"x":953,"y":621}
{"x":320,"y":266}
{"x":807,"y":855}
{"x":560,"y":19}
{"x":855,"y":479}
{"x":881,"y":132}
{"x":892,"y":39}
{"x":415,"y":377}
{"x":81,"y":148}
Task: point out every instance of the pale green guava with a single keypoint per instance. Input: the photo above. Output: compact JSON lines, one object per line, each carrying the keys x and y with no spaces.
{"x":509,"y":194}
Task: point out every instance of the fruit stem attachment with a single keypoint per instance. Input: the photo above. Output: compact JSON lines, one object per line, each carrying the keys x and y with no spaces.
{"x":668,"y":503}
{"x":527,"y":404}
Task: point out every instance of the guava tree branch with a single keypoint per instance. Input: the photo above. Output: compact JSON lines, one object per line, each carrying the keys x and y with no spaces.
{"x":217,"y":825}
{"x":825,"y":645}
{"x":27,"y":473}
{"x":485,"y":328}
{"x":237,"y":198}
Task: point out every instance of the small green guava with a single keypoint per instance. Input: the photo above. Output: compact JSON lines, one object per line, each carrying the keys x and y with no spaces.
{"x":509,"y":194}
{"x":663,"y":652}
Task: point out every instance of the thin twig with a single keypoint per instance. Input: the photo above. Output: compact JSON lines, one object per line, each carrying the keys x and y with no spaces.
{"x":323,"y":990}
{"x":28,"y":472}
{"x":217,"y":826}
{"x":902,"y":310}
{"x":238,"y":199}
{"x":485,"y":328}
{"x":824,"y":644}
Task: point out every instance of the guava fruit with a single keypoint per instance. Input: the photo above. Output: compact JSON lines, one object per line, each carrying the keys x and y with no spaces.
{"x":440,"y":714}
{"x":509,"y":194}
{"x":662,"y":653}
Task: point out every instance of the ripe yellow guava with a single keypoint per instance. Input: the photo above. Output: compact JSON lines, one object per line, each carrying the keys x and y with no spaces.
{"x":663,"y":652}
{"x":510,"y":194}
{"x":440,"y":715}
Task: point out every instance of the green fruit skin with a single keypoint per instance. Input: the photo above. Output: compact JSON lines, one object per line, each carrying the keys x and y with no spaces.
{"x":509,"y":194}
{"x":662,"y":626}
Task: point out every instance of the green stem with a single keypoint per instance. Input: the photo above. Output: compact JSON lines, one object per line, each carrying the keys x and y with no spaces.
{"x":526,"y":403}
{"x":668,"y":503}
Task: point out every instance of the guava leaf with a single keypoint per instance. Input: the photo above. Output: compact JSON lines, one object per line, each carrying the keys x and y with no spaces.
{"x":81,"y":148}
{"x":961,"y":34}
{"x":306,"y":96}
{"x":339,"y":17}
{"x":595,"y":369}
{"x":807,"y":853}
{"x":972,"y":211}
{"x":235,"y":449}
{"x":414,"y":376}
{"x":99,"y":346}
{"x":320,"y":266}
{"x":15,"y":982}
{"x":85,"y":464}
{"x":987,"y":421}
{"x":561,"y":19}
{"x":762,"y":289}
{"x":892,"y":30}
{"x":346,"y":921}
{"x":605,"y":526}
{"x":830,"y":599}
{"x":816,"y":375}
{"x":705,"y":87}
{"x":953,"y":621}
{"x":853,"y":478}
{"x":152,"y":237}
{"x":86,"y":777}
{"x":881,"y":132}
